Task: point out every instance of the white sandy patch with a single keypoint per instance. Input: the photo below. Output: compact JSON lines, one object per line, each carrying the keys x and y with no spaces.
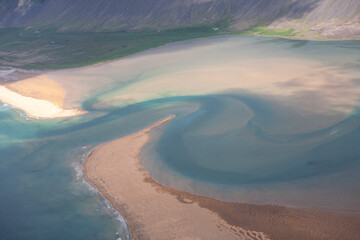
{"x":35,"y":107}
{"x":39,"y":87}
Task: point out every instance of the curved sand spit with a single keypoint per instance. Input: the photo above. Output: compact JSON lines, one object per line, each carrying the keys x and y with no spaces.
{"x":157,"y":212}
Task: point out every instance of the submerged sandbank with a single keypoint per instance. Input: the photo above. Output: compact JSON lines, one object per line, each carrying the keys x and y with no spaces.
{"x":38,"y":96}
{"x":157,"y":212}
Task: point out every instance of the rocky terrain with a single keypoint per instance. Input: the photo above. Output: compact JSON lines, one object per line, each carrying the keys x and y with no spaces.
{"x":334,"y":19}
{"x":51,"y":34}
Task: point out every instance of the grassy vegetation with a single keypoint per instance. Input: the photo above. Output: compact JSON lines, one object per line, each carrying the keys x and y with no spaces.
{"x":263,"y":31}
{"x":48,"y":49}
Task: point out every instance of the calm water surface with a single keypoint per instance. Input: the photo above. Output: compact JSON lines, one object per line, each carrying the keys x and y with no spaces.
{"x":294,"y":143}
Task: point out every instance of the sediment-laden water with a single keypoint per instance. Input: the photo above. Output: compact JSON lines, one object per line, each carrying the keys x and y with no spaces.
{"x":258,"y":120}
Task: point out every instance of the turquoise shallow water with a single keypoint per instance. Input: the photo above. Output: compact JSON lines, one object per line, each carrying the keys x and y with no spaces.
{"x":236,"y":145}
{"x":248,"y":162}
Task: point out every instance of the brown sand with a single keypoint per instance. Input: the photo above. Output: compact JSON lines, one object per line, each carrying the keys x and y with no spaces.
{"x":39,"y":87}
{"x":157,"y":212}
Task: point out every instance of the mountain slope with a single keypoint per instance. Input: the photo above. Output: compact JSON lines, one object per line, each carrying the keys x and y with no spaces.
{"x":326,"y":18}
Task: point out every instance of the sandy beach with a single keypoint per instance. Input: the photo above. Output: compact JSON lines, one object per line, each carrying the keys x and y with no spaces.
{"x":40,"y":86}
{"x":157,"y":212}
{"x":39,"y":97}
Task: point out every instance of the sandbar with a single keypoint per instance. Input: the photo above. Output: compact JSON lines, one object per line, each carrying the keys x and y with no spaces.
{"x":157,"y":212}
{"x":41,"y":87}
{"x":39,"y":97}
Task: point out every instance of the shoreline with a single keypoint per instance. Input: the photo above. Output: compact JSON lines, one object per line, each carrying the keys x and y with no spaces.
{"x":151,"y":48}
{"x":36,"y":108}
{"x":140,"y":230}
{"x":110,"y":169}
{"x":298,"y":38}
{"x":38,"y":96}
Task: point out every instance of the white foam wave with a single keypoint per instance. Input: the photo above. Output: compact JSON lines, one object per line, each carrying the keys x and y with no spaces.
{"x":4,"y":73}
{"x":123,"y":232}
{"x":4,"y":107}
{"x":7,"y":73}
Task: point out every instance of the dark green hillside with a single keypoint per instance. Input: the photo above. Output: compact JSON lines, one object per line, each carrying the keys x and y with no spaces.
{"x":47,"y":49}
{"x":72,"y":33}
